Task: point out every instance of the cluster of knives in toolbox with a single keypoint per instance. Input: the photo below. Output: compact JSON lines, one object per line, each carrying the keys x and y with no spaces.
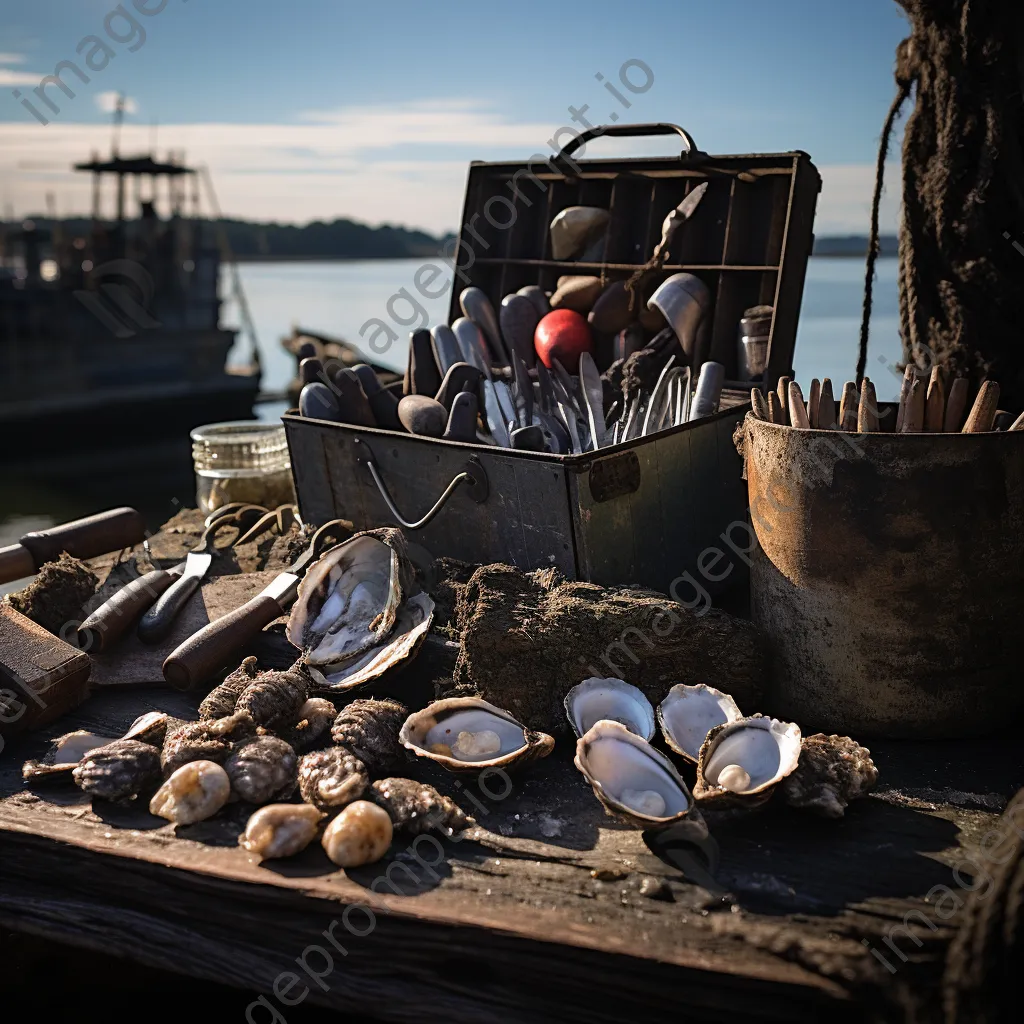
{"x":927,"y":405}
{"x":527,"y":377}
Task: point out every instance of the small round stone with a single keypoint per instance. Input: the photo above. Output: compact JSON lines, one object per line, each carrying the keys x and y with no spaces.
{"x":360,"y":834}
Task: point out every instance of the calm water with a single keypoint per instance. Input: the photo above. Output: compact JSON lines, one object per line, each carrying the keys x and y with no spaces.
{"x":337,"y":298}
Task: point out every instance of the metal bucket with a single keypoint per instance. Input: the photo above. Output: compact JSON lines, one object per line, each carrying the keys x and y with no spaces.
{"x":888,"y":578}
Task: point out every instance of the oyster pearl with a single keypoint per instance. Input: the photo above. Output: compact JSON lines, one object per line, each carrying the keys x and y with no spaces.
{"x":689,"y":713}
{"x":119,"y":771}
{"x":262,"y":771}
{"x":195,"y":792}
{"x":361,"y":834}
{"x":280,"y":830}
{"x":614,"y":700}
{"x":469,"y":734}
{"x":634,"y":782}
{"x":332,"y":778}
{"x":742,"y":762}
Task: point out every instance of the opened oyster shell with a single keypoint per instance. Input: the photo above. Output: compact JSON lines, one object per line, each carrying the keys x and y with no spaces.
{"x":742,"y":762}
{"x":612,"y":700}
{"x":411,"y":628}
{"x":466,"y":734}
{"x":689,"y":713}
{"x":635,"y":782}
{"x":64,"y":755}
{"x":349,"y":599}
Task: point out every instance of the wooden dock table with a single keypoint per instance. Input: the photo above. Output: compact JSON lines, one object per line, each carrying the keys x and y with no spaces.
{"x":548,"y":910}
{"x":537,"y":914}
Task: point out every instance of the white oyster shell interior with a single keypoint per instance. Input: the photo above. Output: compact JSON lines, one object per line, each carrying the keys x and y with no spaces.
{"x":472,"y":734}
{"x":765,"y":750}
{"x":613,"y":700}
{"x":625,"y":770}
{"x":72,"y":748}
{"x":689,"y":713}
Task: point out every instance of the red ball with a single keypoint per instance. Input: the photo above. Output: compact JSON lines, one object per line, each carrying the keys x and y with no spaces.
{"x":563,"y":335}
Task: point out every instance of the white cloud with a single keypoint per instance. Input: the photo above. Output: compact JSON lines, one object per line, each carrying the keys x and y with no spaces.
{"x":107,"y":102}
{"x":18,"y":77}
{"x":360,"y":162}
{"x":12,"y":58}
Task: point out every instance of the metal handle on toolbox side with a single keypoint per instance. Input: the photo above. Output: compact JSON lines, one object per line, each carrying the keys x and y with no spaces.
{"x":474,"y":475}
{"x":691,"y":152}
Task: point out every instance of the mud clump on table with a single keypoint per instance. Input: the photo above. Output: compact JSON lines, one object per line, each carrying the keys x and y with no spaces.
{"x":55,"y":597}
{"x":528,"y":638}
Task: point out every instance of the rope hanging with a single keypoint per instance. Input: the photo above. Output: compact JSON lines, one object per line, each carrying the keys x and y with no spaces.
{"x":962,"y":191}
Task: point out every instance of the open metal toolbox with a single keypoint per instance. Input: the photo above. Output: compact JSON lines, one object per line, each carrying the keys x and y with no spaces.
{"x":642,"y":511}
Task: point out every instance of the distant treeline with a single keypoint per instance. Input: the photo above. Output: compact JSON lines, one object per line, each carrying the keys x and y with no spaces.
{"x":348,"y":239}
{"x":318,"y":240}
{"x":854,"y":245}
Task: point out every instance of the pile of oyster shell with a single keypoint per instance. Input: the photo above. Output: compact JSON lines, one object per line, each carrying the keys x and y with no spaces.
{"x":260,"y":741}
{"x":740,"y":760}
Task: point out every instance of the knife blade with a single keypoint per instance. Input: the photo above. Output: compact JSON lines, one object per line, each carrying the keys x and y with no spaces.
{"x":592,"y":392}
{"x":203,"y":654}
{"x":679,"y":216}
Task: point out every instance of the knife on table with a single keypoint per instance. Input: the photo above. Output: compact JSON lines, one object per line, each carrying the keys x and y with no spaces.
{"x":205,"y":653}
{"x":84,"y":538}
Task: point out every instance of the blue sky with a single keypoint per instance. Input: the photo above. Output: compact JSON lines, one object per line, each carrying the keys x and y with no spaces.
{"x":316,"y":109}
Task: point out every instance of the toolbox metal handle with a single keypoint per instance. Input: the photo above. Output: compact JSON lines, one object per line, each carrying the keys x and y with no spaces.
{"x":690,"y":153}
{"x":473,"y":474}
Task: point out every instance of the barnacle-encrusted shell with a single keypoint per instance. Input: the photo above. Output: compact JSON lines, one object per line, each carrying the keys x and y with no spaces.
{"x":416,"y":807}
{"x":467,"y":734}
{"x":331,"y":778}
{"x":635,"y":783}
{"x":221,"y":700}
{"x":400,"y":646}
{"x":832,"y":771}
{"x":195,"y":792}
{"x":262,"y":771}
{"x":348,"y":600}
{"x":613,"y":700}
{"x":280,"y":830}
{"x":206,"y":741}
{"x":742,"y":762}
{"x":64,"y":755}
{"x":274,"y":696}
{"x":689,"y":713}
{"x":118,"y":771}
{"x":361,"y":834}
{"x":370,"y":728}
{"x":312,"y":726}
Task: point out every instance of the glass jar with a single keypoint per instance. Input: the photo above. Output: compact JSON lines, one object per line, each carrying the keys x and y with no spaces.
{"x":241,"y":461}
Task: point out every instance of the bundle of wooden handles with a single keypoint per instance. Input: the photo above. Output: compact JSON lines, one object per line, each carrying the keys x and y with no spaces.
{"x":925,"y":406}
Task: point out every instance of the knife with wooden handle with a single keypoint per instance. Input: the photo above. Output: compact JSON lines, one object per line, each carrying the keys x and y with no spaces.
{"x":105,"y":626}
{"x":83,"y":538}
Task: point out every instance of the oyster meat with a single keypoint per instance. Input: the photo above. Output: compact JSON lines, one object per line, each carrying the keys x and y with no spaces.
{"x":206,"y":741}
{"x":415,"y":807}
{"x":742,"y":762}
{"x":614,"y":700}
{"x":331,"y":778}
{"x":195,"y":792}
{"x":119,"y":771}
{"x":361,"y":834}
{"x":221,"y":700}
{"x":280,"y":830}
{"x":312,"y":726}
{"x":832,"y":771}
{"x":467,"y":734}
{"x":634,"y":782}
{"x":370,"y":730}
{"x":262,"y":771}
{"x":689,"y":713}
